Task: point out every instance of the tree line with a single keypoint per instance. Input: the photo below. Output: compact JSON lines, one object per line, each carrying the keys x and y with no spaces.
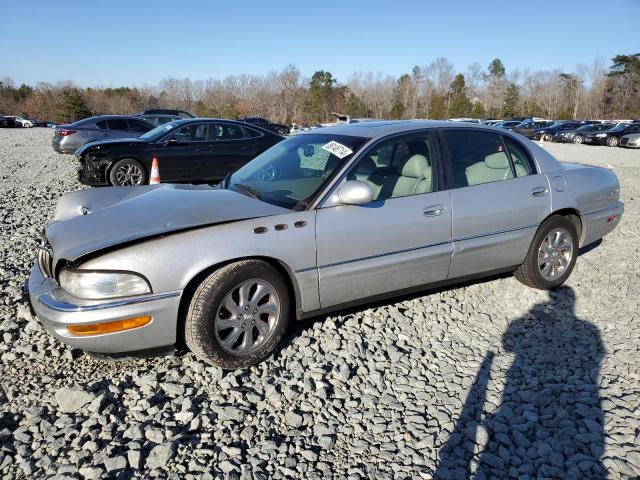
{"x":435,"y":90}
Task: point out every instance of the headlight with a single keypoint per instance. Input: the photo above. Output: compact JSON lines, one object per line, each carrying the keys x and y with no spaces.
{"x":97,"y":285}
{"x":600,"y":135}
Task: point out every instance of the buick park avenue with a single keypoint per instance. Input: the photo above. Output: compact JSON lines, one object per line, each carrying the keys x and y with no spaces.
{"x":322,"y":220}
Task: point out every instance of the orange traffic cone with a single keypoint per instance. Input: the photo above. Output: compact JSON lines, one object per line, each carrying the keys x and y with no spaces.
{"x":155,"y":172}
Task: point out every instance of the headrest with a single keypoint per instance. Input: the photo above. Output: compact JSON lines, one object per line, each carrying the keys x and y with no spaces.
{"x":416,"y":166}
{"x":367,"y":166}
{"x":498,"y":161}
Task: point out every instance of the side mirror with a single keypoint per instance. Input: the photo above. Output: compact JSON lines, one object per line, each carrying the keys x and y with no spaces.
{"x":354,"y":192}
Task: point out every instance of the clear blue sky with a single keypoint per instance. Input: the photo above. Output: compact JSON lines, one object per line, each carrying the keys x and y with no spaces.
{"x":113,"y":43}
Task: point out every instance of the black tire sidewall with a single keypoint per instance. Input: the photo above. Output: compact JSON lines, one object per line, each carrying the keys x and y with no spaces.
{"x":204,"y":305}
{"x":532,"y":256}
{"x":124,"y":161}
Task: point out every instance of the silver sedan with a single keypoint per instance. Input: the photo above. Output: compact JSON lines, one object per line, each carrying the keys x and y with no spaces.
{"x":323,"y":220}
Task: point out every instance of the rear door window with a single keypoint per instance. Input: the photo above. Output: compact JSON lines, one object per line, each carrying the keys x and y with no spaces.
{"x":226,"y":131}
{"x":522,"y":161}
{"x":102,"y":125}
{"x":118,"y":124}
{"x":476,"y":157}
{"x":138,"y":126}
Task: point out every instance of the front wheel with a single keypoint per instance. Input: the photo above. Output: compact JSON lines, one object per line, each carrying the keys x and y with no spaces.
{"x":552,"y":255}
{"x":238,"y":314}
{"x":578,"y":139}
{"x":127,"y":173}
{"x":547,"y":137}
{"x":612,"y":141}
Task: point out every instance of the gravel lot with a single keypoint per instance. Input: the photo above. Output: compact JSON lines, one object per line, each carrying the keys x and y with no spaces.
{"x":487,"y":377}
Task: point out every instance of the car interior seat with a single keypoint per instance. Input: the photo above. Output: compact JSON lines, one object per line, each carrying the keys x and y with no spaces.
{"x":495,"y":167}
{"x":413,"y":176}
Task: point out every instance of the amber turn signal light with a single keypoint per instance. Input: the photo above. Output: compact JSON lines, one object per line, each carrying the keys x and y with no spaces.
{"x":109,"y":327}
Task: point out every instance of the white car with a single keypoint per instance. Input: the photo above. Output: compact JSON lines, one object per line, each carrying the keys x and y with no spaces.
{"x":23,"y":121}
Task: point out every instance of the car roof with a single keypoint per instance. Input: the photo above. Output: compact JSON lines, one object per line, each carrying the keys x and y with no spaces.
{"x":382,"y":128}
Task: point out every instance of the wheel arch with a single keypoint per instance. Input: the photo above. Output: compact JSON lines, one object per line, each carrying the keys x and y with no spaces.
{"x":192,"y":285}
{"x":574,"y":215}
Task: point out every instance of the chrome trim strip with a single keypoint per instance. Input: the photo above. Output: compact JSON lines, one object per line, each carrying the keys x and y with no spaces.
{"x":604,"y":209}
{"x":386,"y":254}
{"x":420,"y":247}
{"x":57,"y":305}
{"x":524,"y":227}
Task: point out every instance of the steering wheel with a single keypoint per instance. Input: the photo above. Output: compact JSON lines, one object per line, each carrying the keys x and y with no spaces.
{"x":268,"y":173}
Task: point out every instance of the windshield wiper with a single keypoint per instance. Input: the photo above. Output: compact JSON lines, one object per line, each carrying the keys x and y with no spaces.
{"x":251,"y":191}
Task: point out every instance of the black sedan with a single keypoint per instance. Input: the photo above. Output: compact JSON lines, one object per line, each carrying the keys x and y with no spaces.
{"x":193,"y":150}
{"x":612,"y":137}
{"x":555,"y":128}
{"x":577,"y":135}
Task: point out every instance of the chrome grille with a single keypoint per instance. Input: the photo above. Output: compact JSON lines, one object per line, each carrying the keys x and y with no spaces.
{"x":45,"y":257}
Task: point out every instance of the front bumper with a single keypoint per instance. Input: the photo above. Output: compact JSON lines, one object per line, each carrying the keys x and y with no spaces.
{"x":56,"y":309}
{"x":595,"y":140}
{"x":90,"y":172}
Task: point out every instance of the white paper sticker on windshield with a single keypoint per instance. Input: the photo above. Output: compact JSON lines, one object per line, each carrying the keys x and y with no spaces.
{"x":337,"y":149}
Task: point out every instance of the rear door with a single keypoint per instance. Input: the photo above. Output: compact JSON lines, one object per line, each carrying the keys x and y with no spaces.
{"x":498,"y":200}
{"x":230,"y":149}
{"x":118,"y":128}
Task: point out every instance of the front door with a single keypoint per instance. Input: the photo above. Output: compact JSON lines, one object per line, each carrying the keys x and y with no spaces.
{"x":498,"y":200}
{"x":180,"y":155}
{"x":400,"y":240}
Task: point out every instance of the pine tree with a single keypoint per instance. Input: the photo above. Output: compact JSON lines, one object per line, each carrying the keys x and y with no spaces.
{"x":397,"y":110}
{"x":496,"y":68}
{"x":511,"y":97}
{"x":72,"y":106}
{"x":317,"y":104}
{"x":355,"y":107}
{"x":460,"y":105}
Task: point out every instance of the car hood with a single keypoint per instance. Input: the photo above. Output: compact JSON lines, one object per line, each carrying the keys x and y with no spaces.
{"x":90,"y":220}
{"x":108,"y":143}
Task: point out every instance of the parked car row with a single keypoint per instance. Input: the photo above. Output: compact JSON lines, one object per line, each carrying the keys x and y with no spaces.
{"x":15,"y":121}
{"x":590,"y":132}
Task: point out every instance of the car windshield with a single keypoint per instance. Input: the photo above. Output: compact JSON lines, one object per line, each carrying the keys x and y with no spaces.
{"x":160,"y":130}
{"x":619,"y":128}
{"x":292,"y":172}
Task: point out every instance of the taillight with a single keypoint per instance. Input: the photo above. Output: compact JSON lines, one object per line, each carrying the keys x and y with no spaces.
{"x":65,"y":133}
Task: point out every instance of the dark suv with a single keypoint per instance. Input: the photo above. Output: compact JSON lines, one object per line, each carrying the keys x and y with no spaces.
{"x":266,"y":124}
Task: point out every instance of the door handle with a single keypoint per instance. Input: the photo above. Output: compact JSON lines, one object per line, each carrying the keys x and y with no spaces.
{"x":433,"y":210}
{"x":539,"y":191}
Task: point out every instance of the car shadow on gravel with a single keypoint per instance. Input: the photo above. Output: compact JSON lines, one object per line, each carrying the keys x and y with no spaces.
{"x":549,"y":422}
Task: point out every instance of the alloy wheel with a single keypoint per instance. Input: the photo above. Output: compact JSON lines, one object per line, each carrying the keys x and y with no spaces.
{"x":247,"y":317}
{"x":129,"y":175}
{"x":555,"y":254}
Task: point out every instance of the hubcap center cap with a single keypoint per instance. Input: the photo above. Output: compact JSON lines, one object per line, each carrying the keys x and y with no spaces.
{"x":247,"y":316}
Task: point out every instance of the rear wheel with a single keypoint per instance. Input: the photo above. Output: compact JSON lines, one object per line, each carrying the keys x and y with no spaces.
{"x":238,"y":314}
{"x":612,"y":141}
{"x":127,"y":173}
{"x":548,"y":137}
{"x":578,"y":139}
{"x":552,"y":255}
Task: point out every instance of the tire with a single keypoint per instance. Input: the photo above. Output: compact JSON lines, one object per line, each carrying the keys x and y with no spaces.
{"x":530,"y":273}
{"x":578,"y":139}
{"x":118,"y":177}
{"x":612,"y":141}
{"x":547,"y":137}
{"x":214,"y":334}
